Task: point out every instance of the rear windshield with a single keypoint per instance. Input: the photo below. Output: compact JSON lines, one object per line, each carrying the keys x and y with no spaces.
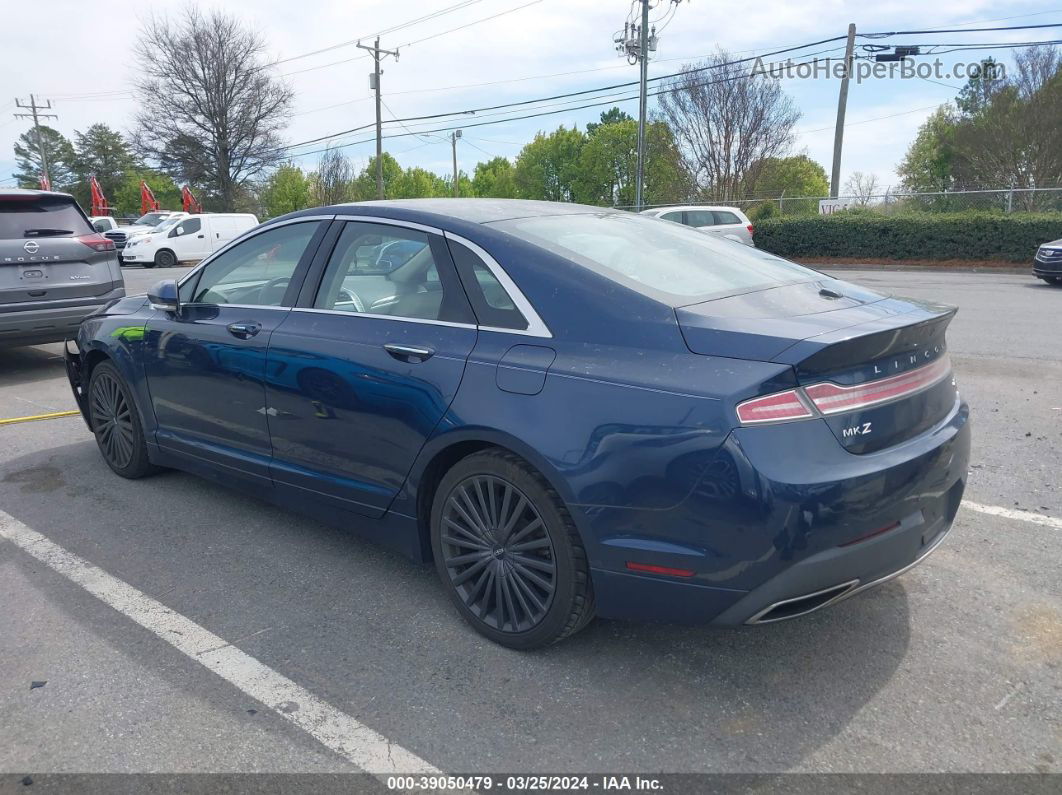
{"x":40,"y":216}
{"x":671,"y":263}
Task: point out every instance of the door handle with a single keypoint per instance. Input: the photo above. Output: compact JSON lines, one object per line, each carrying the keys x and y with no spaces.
{"x":199,"y":236}
{"x":408,"y":353}
{"x":244,"y":329}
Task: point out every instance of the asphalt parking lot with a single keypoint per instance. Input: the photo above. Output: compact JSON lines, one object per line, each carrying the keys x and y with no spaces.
{"x":956,"y":666}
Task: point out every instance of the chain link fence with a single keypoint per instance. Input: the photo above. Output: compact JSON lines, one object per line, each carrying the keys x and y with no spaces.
{"x":1003,"y":200}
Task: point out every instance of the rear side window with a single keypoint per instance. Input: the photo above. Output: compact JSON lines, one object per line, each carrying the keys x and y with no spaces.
{"x":41,"y":216}
{"x":492,"y":304}
{"x":724,"y":217}
{"x":701,"y":218}
{"x":670,"y":263}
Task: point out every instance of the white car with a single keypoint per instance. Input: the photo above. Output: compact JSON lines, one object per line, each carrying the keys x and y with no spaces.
{"x":728,"y":222}
{"x":103,"y":223}
{"x":188,"y":238}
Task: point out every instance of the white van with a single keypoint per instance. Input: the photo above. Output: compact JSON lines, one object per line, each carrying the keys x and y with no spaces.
{"x":186,"y":239}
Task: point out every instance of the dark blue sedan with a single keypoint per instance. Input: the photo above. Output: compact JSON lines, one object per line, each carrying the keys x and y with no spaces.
{"x":572,"y":411}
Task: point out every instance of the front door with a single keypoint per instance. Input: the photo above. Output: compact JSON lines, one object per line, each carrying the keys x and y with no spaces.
{"x":205,"y":365}
{"x":360,"y":377}
{"x":190,"y":242}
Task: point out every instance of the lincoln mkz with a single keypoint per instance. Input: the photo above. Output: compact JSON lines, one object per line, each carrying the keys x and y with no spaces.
{"x":572,"y":411}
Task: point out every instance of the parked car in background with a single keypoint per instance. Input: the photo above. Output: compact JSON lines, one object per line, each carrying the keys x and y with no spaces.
{"x":1048,"y":262}
{"x":188,"y":238}
{"x":570,"y":409}
{"x":141,"y":226}
{"x":55,"y":268}
{"x":103,"y":223}
{"x":728,"y":222}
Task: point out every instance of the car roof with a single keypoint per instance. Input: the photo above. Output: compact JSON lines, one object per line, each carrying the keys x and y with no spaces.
{"x":693,"y":207}
{"x":28,"y":192}
{"x":481,"y":211}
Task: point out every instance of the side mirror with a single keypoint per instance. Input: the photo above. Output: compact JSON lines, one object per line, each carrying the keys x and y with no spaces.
{"x":176,"y":231}
{"x":165,"y":296}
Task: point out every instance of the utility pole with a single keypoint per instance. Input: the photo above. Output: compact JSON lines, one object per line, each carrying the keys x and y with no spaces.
{"x":33,"y":107}
{"x":453,"y":142}
{"x":842,"y":106}
{"x":374,"y":83}
{"x":636,"y":42}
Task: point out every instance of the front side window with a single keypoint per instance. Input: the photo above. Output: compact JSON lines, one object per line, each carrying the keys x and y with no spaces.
{"x":256,"y":272}
{"x":188,"y":226}
{"x":379,"y":269}
{"x":102,"y":225}
{"x":674,"y":264}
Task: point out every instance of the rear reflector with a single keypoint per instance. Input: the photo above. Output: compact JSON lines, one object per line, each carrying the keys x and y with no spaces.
{"x":832,"y":398}
{"x":96,"y":242}
{"x":871,"y":534}
{"x":778,"y":407}
{"x":651,"y":569}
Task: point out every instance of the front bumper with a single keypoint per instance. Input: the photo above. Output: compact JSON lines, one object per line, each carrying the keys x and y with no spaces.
{"x":784,"y":523}
{"x":52,"y":321}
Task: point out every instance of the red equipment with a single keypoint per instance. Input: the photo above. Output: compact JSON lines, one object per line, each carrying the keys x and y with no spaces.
{"x":148,"y":203}
{"x":46,"y":184}
{"x":99,"y":201}
{"x":189,"y":203}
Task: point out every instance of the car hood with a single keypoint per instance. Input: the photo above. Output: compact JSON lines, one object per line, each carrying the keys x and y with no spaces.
{"x":1052,"y":244}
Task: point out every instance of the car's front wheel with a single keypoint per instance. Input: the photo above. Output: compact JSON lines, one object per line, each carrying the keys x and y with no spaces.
{"x":165,"y":258}
{"x":116,"y":424}
{"x":508,"y":552}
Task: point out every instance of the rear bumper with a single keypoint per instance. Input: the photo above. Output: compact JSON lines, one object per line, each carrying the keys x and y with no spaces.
{"x":52,"y":321}
{"x":784,"y":523}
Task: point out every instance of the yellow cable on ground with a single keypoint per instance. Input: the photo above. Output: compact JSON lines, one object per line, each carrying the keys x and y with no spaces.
{"x":54,"y":415}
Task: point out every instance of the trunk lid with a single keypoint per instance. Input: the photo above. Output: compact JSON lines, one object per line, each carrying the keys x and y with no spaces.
{"x":833,"y":332}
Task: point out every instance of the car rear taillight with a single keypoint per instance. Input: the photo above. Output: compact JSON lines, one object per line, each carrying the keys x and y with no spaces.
{"x":96,"y":242}
{"x":832,"y":398}
{"x":751,"y":229}
{"x":778,"y":407}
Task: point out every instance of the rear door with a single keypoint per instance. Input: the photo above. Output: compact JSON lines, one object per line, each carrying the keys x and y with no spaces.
{"x":363,"y":370}
{"x":206,"y":364}
{"x":47,"y":251}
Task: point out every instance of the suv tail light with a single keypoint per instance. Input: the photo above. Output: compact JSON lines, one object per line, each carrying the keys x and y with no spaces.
{"x":751,"y":229}
{"x":779,"y":407}
{"x":96,"y":242}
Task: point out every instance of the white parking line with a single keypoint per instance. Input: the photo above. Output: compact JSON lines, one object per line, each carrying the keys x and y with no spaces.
{"x":331,"y":727}
{"x":1011,"y":513}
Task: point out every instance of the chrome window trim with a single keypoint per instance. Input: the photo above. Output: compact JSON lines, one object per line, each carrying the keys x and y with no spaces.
{"x":400,"y":318}
{"x":536,"y":327}
{"x":253,"y":232}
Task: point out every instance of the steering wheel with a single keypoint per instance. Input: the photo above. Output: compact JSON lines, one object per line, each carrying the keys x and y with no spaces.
{"x":350,"y":297}
{"x":272,"y":284}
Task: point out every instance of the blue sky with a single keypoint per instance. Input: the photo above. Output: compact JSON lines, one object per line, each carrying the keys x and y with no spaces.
{"x":80,"y":58}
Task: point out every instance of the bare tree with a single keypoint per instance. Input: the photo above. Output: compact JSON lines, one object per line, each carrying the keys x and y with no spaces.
{"x":862,"y":187}
{"x":333,"y":182}
{"x":727,"y":120}
{"x":210,"y":112}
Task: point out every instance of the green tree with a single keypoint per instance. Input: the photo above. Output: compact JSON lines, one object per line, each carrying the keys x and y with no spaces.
{"x":416,"y":183}
{"x":127,"y":197}
{"x":286,"y":191}
{"x":57,"y":149}
{"x":101,"y":152}
{"x":608,"y":164}
{"x":365,"y":184}
{"x":929,"y":162}
{"x":495,"y":178}
{"x":610,"y":116}
{"x":548,"y":167}
{"x":795,"y":176}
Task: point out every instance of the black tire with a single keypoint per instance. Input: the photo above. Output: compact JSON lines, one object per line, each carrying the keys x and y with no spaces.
{"x":116,"y":423}
{"x":165,"y":258}
{"x":1055,"y":280}
{"x":508,"y":552}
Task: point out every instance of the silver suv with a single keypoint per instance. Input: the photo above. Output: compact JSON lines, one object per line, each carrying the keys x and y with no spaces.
{"x":54,"y":267}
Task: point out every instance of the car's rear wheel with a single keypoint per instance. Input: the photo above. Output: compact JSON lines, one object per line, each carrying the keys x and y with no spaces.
{"x":116,"y":424}
{"x":165,"y":258}
{"x":508,"y":552}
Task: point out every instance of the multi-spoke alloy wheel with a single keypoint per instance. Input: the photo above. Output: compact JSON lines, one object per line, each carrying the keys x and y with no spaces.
{"x":498,"y":554}
{"x":115,"y":423}
{"x":506,"y":547}
{"x":112,"y":419}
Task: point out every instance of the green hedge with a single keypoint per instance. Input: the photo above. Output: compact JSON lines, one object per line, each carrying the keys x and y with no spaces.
{"x":868,"y":235}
